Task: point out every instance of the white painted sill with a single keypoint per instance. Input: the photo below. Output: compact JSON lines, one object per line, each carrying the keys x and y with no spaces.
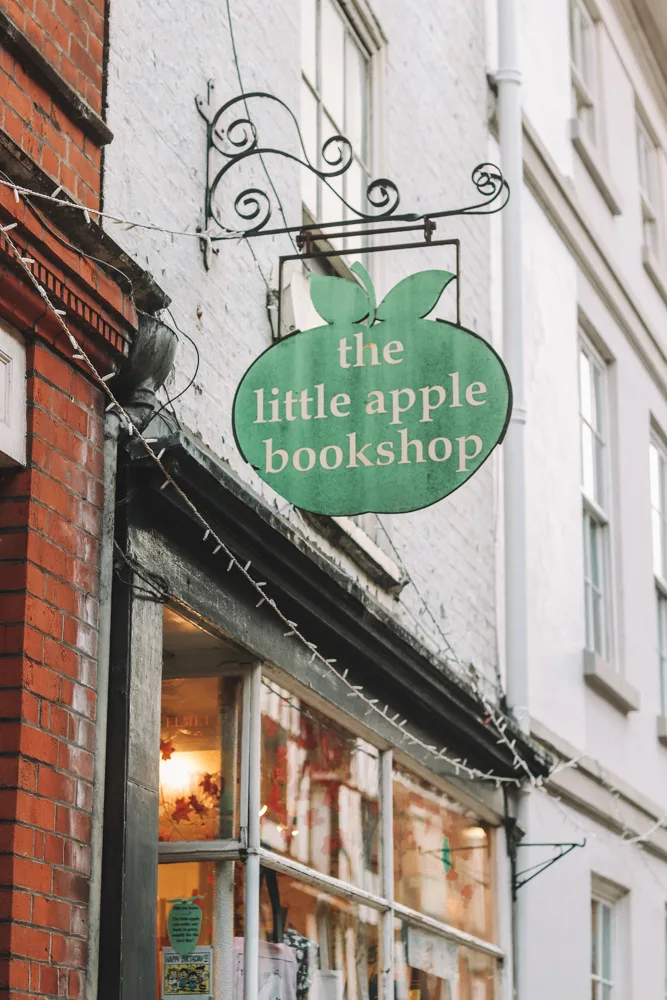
{"x":609,"y":684}
{"x":662,"y":730}
{"x":655,"y":271}
{"x":592,"y":160}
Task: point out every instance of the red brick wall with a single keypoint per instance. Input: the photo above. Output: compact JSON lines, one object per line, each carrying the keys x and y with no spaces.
{"x":49,"y":550}
{"x":71,"y":38}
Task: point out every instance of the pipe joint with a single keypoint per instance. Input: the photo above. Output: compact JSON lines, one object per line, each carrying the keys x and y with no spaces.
{"x":510,"y":74}
{"x":519,"y":415}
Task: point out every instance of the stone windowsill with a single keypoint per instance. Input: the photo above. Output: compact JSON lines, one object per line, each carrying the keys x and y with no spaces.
{"x":609,"y":684}
{"x":655,"y":271}
{"x":592,"y":160}
{"x":353,"y":540}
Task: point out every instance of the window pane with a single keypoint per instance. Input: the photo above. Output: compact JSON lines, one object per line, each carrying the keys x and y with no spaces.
{"x":308,"y":125}
{"x":332,"y":944}
{"x":441,"y":857}
{"x":332,"y":61}
{"x":309,"y":39}
{"x":588,"y":462}
{"x":657,"y":543}
{"x":594,"y":937}
{"x":220,"y":888}
{"x":586,"y":388}
{"x":320,"y":791}
{"x":654,"y":469}
{"x":606,"y":942}
{"x":429,"y":967}
{"x":356,"y":88}
{"x":199,"y":758}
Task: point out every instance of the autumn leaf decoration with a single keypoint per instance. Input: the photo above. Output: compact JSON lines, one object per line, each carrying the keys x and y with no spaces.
{"x":212,"y":787}
{"x":166,"y":749}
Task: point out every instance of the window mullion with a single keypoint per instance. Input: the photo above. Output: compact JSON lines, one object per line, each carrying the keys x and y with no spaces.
{"x":386,"y":807}
{"x":252,"y":874}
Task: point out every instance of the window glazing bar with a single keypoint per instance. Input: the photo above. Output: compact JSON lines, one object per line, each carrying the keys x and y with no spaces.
{"x":251,"y":928}
{"x":447,"y":931}
{"x":286,"y":866}
{"x":176,"y":852}
{"x":387,"y":854}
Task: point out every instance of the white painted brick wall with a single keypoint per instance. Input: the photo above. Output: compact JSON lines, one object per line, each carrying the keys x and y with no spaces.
{"x":433,"y":102}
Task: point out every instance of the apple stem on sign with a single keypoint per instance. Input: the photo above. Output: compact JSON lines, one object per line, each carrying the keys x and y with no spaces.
{"x":367,"y":282}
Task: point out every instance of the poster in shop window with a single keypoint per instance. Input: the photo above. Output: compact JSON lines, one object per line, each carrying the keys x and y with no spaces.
{"x":187,"y":976}
{"x":378,"y":410}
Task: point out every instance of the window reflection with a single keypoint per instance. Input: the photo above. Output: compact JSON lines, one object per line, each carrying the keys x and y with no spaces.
{"x":427,"y":967}
{"x":441,"y":857}
{"x":320,"y":791}
{"x":330,"y":943}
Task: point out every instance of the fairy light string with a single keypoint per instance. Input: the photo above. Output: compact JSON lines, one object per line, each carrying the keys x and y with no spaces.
{"x":460,"y":767}
{"x":494,"y":716}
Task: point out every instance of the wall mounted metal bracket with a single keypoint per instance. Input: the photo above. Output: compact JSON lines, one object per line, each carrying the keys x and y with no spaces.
{"x":232,"y":138}
{"x":519,"y":879}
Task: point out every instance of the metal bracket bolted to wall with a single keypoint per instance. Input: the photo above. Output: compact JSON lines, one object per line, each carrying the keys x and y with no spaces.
{"x":519,"y":879}
{"x":232,"y":138}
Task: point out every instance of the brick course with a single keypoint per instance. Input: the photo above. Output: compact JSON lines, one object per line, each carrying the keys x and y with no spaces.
{"x":48,"y":602}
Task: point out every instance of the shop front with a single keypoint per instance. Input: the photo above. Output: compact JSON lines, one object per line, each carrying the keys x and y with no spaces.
{"x":267,"y":835}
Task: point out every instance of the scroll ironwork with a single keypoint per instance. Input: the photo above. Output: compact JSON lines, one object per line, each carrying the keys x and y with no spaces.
{"x":233,"y":138}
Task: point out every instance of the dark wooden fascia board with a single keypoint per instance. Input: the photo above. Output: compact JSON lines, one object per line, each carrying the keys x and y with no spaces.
{"x":80,"y":112}
{"x":333,"y":610}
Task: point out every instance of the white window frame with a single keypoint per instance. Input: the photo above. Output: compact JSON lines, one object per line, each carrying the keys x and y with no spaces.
{"x":249,"y":846}
{"x":585,"y":78}
{"x":648,"y":169}
{"x":597,"y":512}
{"x":659,"y":523}
{"x":362,"y":28}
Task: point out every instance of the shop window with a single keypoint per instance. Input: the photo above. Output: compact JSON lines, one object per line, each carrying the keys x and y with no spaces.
{"x":320,"y":791}
{"x":309,"y":898}
{"x":428,"y":967}
{"x":330,"y":945}
{"x":199,"y":758}
{"x":442,"y":859}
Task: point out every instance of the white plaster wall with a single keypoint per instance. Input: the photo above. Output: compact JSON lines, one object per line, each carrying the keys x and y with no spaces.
{"x":432,"y":115}
{"x":556,"y":951}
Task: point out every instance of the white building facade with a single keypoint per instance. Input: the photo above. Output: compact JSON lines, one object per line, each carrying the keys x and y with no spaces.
{"x":378,"y":857}
{"x":594,"y":217}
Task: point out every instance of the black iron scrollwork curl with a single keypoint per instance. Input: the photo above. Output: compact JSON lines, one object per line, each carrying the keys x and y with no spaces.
{"x":491,"y":185}
{"x":383,"y":194}
{"x":239,"y":140}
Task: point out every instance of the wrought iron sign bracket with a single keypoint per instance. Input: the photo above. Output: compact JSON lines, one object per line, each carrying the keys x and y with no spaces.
{"x":232,"y":138}
{"x":519,"y":879}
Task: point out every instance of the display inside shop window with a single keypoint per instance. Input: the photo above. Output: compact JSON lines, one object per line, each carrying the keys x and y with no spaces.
{"x":442,"y":857}
{"x":190,"y":965}
{"x":320,"y":791}
{"x":199,"y":758}
{"x":334,"y":941}
{"x":429,"y":967}
{"x":200,"y":732}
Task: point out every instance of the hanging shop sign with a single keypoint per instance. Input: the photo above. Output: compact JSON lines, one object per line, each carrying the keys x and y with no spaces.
{"x":378,"y":410}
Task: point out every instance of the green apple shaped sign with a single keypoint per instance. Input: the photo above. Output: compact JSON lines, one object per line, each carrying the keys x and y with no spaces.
{"x":379,"y":409}
{"x":184,"y":924}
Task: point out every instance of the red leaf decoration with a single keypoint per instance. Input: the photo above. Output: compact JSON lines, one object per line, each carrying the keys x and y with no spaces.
{"x":182,"y":810}
{"x":197,"y":805}
{"x":210,"y":786}
{"x":166,"y":749}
